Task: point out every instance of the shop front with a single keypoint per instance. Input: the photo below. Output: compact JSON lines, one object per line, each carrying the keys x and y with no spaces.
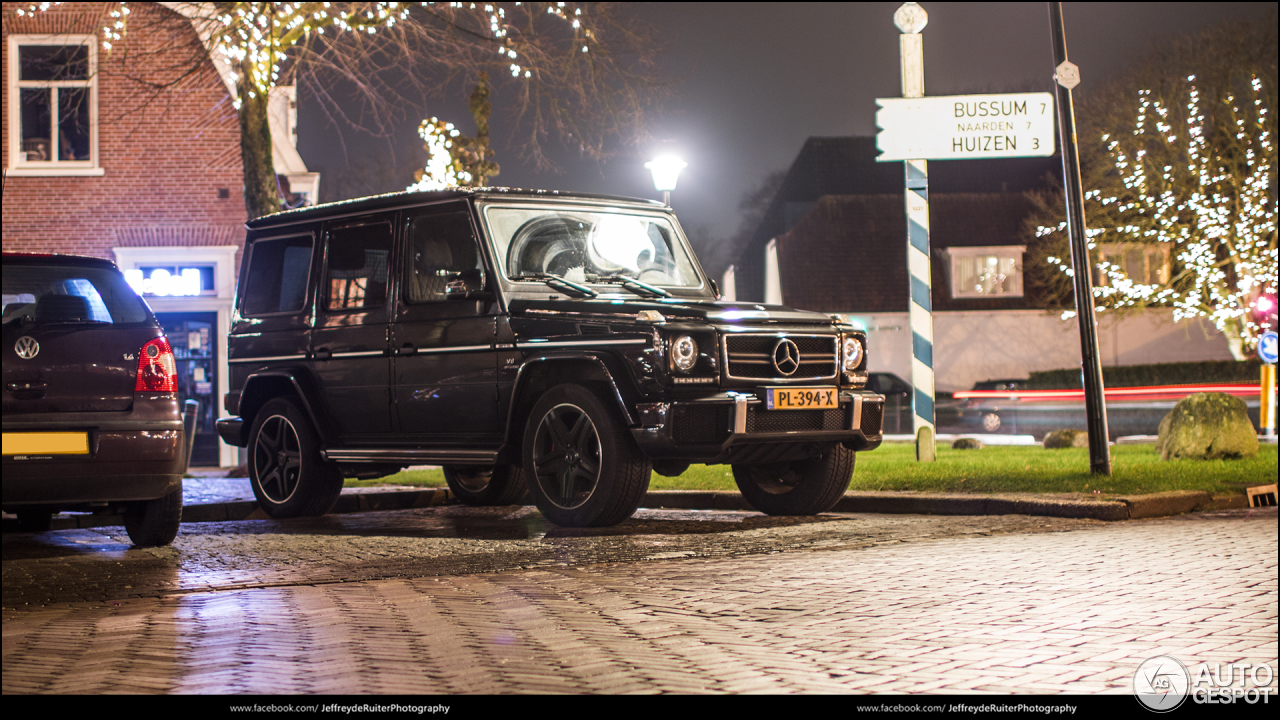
{"x":191,"y":290}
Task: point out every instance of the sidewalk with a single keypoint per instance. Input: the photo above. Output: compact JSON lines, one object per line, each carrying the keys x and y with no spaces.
{"x":210,"y":499}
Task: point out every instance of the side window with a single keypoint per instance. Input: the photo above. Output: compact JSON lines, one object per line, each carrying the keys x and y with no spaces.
{"x":356,"y":276}
{"x":442,"y":249}
{"x":278,"y":270}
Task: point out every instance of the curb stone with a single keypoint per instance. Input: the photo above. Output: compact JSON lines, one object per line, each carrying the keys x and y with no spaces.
{"x":1109,"y":509}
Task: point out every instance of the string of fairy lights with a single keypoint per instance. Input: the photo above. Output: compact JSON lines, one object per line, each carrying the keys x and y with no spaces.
{"x":1217,"y":219}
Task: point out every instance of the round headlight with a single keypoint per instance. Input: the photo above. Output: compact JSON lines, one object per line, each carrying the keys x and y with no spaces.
{"x":684,"y":353}
{"x":852,"y":354}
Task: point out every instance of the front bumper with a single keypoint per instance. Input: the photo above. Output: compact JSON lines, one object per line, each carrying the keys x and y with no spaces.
{"x":138,"y":455}
{"x":734,"y":427}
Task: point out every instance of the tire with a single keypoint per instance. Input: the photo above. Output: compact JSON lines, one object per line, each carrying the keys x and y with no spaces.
{"x":798,"y":487}
{"x":154,"y":522}
{"x":990,"y":422}
{"x":288,"y":477}
{"x":485,"y":486}
{"x":34,"y":520}
{"x":582,"y":466}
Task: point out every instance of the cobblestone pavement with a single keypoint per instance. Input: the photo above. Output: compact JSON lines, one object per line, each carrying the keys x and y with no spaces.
{"x":452,"y":600}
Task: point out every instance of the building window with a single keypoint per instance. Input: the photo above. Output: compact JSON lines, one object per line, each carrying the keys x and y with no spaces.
{"x":979,"y":272}
{"x":53,"y":105}
{"x":1141,"y":263}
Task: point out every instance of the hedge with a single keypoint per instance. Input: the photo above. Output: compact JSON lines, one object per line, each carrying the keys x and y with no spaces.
{"x":1184,"y":373}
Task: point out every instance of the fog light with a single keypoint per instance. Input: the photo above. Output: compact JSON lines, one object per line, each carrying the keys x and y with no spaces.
{"x":684,"y":353}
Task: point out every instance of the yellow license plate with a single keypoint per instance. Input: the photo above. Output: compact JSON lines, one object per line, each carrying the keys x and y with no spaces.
{"x":810,"y":398}
{"x":46,"y":443}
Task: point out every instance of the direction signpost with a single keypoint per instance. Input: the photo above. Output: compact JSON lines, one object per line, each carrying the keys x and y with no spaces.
{"x":915,"y":129}
{"x":965,"y":127}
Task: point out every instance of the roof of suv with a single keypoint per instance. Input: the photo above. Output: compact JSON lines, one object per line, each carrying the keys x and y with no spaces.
{"x":397,"y":199}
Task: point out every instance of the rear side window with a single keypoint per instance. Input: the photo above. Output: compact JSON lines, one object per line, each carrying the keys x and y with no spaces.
{"x":52,"y":294}
{"x":278,"y":271}
{"x":357,"y":274}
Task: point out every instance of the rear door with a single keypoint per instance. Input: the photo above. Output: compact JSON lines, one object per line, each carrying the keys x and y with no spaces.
{"x":445,"y":362}
{"x":349,"y":345}
{"x":71,"y":338}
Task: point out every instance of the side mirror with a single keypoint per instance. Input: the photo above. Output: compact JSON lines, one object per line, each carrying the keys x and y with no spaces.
{"x":467,"y":285}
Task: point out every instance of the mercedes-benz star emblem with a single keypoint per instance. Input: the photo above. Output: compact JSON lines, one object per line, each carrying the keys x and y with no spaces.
{"x":26,"y":347}
{"x":786,"y":357}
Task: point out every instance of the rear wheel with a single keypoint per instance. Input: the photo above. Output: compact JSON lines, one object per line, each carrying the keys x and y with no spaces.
{"x":798,"y":487}
{"x":482,"y":486}
{"x":34,"y":520}
{"x":288,"y":477}
{"x":583,"y":467}
{"x":154,"y":522}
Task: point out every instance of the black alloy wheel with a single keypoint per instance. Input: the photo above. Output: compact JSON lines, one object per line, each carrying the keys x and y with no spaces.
{"x":487,"y":485}
{"x":797,"y":487}
{"x":583,"y":467}
{"x":288,"y":476}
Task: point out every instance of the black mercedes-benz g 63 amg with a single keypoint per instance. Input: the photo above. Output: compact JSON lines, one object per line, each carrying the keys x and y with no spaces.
{"x":567,"y":343}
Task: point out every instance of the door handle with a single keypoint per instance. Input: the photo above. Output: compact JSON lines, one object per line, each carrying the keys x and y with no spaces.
{"x":407,"y":349}
{"x":322,"y":354}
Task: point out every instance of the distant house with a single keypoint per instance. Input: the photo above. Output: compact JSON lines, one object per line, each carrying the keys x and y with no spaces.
{"x":834,"y":240}
{"x":96,"y":162}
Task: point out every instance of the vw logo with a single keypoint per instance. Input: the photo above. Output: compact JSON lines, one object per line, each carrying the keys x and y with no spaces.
{"x":786,"y":357}
{"x":26,"y":347}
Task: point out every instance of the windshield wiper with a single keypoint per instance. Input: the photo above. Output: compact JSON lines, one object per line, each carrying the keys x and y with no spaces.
{"x":643,"y":289}
{"x":568,"y":287}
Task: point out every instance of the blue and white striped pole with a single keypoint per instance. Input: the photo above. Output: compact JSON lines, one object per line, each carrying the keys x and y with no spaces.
{"x":911,"y":19}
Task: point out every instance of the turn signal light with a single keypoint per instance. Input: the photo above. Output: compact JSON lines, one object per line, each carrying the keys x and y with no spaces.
{"x":157,"y":368}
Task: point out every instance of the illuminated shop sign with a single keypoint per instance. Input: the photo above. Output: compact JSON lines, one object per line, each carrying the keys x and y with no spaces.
{"x":170,"y":281}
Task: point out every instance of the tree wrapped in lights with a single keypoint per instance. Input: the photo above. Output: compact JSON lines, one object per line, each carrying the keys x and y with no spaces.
{"x":575,"y":72}
{"x":453,"y":159}
{"x":1180,"y":195}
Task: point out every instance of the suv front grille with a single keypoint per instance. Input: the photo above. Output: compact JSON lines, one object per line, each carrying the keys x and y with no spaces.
{"x":750,"y":357}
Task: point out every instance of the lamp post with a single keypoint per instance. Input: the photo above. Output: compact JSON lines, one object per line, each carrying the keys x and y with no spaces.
{"x":666,"y":170}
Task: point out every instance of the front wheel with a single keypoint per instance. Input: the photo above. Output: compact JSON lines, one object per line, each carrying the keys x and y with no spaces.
{"x":798,"y":487}
{"x":582,"y":466}
{"x":289,"y":479}
{"x":153,"y":523}
{"x":484,"y":486}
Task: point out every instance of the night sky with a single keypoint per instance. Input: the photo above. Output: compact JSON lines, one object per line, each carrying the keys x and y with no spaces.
{"x":757,"y":79}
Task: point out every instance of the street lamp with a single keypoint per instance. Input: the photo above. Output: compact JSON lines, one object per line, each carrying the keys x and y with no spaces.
{"x":665,"y":171}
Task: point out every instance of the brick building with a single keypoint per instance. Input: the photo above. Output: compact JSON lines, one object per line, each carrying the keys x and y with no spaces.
{"x":133,"y":155}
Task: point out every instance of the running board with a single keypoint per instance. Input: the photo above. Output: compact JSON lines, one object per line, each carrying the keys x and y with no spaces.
{"x":416,"y":457}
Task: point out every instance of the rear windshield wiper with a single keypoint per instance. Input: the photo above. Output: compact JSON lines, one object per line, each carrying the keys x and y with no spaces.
{"x":568,"y":287}
{"x":643,"y":289}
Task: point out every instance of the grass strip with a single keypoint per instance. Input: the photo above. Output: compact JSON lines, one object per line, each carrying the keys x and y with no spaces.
{"x":1136,"y":469}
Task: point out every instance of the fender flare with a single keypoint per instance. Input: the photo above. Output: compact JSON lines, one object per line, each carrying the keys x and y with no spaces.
{"x":299,"y":382}
{"x":521,"y":381}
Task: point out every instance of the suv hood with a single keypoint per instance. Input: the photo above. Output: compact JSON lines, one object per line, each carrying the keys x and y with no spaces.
{"x":624,"y":307}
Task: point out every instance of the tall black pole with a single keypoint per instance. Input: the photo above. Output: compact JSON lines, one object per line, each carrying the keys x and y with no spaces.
{"x":1067,"y":76}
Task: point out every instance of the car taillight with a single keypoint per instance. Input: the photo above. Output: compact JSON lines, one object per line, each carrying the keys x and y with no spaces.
{"x":157,"y":369}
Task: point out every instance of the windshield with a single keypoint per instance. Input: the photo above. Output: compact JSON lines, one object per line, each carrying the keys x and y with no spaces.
{"x":69,"y":294}
{"x":589,"y":246}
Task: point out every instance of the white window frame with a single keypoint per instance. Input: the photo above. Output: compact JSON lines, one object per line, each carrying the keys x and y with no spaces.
{"x":45,"y":168}
{"x":1105,"y":250}
{"x":956,"y":254}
